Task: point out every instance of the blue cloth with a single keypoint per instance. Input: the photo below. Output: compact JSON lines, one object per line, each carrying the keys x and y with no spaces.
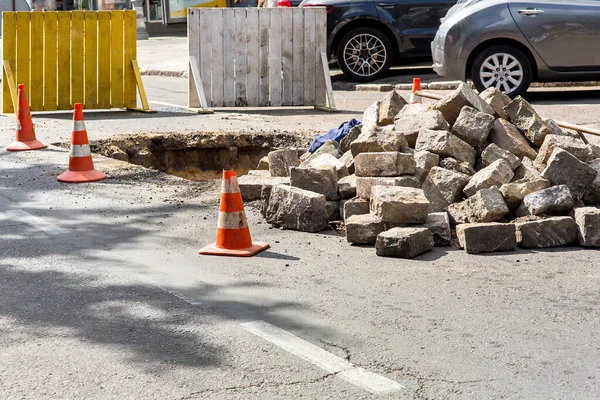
{"x":336,"y":134}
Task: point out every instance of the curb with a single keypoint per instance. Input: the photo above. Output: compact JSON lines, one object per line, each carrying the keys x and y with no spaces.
{"x":388,"y":87}
{"x":451,"y":85}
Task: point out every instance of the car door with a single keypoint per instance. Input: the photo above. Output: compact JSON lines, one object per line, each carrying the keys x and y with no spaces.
{"x":565,"y":33}
{"x":415,"y":21}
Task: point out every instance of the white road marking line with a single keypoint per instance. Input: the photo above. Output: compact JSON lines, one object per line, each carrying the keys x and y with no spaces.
{"x":323,"y":359}
{"x":36,"y":222}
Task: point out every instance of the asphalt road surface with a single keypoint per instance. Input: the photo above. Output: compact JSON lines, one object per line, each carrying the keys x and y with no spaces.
{"x":103,"y":294}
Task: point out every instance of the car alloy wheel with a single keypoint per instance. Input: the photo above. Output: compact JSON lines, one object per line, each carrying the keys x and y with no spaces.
{"x":365,"y":55}
{"x":501,"y":71}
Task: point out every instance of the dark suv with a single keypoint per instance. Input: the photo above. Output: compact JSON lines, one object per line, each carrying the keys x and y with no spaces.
{"x":367,"y":37}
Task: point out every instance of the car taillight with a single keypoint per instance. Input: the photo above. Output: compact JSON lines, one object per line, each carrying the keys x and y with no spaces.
{"x":284,"y":3}
{"x":328,"y":7}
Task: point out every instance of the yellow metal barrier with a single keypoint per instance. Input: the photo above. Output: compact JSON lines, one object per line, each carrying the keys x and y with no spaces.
{"x":64,"y":58}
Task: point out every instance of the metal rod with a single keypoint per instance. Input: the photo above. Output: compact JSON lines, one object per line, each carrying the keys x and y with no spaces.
{"x":577,"y":128}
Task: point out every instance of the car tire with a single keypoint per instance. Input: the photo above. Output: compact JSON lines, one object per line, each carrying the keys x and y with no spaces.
{"x":374,"y":62}
{"x":503,"y":67}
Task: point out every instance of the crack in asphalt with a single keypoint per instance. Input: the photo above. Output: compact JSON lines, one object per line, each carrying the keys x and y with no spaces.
{"x":337,"y":346}
{"x":261,"y":385}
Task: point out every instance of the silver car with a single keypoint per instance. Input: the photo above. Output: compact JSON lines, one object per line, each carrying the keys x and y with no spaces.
{"x":507,"y":44}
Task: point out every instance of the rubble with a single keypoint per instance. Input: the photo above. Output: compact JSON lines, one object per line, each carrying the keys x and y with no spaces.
{"x":551,"y":232}
{"x":328,"y":161}
{"x":384,"y":164}
{"x":330,"y":147}
{"x":364,"y":184}
{"x":399,"y":205}
{"x":556,"y":200}
{"x":352,"y":135}
{"x":363,"y":228}
{"x":251,"y":185}
{"x":592,"y":194}
{"x":319,"y":180}
{"x":451,"y":104}
{"x":493,"y":153}
{"x":515,"y":192}
{"x":443,"y":187}
{"x":487,"y":205}
{"x":496,"y":174}
{"x":588,"y":220}
{"x":347,"y":187}
{"x":390,"y":106}
{"x":563,"y":168}
{"x":445,"y":144}
{"x":458,"y":166}
{"x":294,"y":208}
{"x":281,"y":161}
{"x":486,"y":237}
{"x":404,"y":242}
{"x":355,"y":206}
{"x":473,"y":126}
{"x":524,"y":117}
{"x":573,"y":145}
{"x":416,"y":117}
{"x":409,"y":174}
{"x":263,"y":164}
{"x":497,"y":100}
{"x":506,"y":136}
{"x":379,"y":139}
{"x":438,"y":224}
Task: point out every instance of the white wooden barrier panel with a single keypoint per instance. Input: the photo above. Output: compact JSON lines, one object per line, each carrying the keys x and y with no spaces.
{"x":258,"y":57}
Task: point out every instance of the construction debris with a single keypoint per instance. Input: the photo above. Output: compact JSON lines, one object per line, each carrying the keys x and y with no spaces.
{"x":486,"y":165}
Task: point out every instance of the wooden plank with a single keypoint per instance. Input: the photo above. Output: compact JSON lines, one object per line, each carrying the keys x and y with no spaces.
{"x":77,"y":50}
{"x":298,"y":49}
{"x":263,"y":56}
{"x":23,"y":61}
{"x":241,"y":62}
{"x":287,"y":55}
{"x":320,"y":47}
{"x":36,"y":101}
{"x":193,"y":50}
{"x":116,"y":59}
{"x":217,"y":57}
{"x":91,"y":61}
{"x":50,"y":52}
{"x":228,"y":58}
{"x":205,"y":52}
{"x":140,"y":85}
{"x":193,"y":64}
{"x":329,"y":88}
{"x":104,"y":59}
{"x":253,"y":68}
{"x":310,"y":60}
{"x":64,"y":61}
{"x":129,"y":47}
{"x":275,"y":58}
{"x":10,"y":80}
{"x":9,"y":54}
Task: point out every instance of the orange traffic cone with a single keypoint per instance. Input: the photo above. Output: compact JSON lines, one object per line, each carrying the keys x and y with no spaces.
{"x":416,"y":87}
{"x":233,"y":235}
{"x":25,"y":137}
{"x":81,"y":165}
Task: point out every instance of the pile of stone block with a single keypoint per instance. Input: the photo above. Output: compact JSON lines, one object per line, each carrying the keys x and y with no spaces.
{"x":484,"y":166}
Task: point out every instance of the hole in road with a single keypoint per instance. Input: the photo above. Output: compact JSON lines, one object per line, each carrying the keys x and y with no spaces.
{"x":197,"y":156}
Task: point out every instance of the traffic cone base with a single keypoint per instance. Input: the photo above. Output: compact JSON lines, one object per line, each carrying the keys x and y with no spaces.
{"x":233,"y":234}
{"x":213,"y":250}
{"x":24,"y":146}
{"x":81,"y":176}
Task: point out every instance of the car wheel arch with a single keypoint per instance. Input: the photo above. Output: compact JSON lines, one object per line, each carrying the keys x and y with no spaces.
{"x":363,"y":22}
{"x":503,"y":42}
